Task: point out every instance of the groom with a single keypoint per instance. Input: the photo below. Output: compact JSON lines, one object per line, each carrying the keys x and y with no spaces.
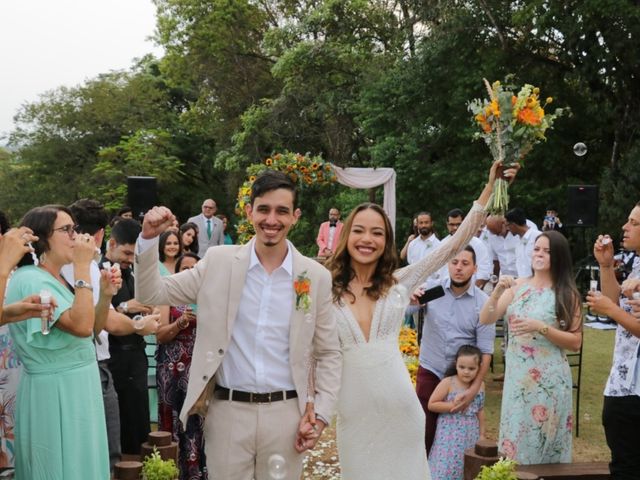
{"x":266,"y":362}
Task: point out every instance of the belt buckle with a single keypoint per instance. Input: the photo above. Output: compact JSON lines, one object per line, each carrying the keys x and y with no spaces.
{"x":260,"y":396}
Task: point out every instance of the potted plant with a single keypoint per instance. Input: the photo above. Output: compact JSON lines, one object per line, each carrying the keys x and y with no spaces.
{"x":155,"y":468}
{"x":503,"y":469}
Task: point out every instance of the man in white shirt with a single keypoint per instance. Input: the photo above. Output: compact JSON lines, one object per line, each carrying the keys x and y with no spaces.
{"x":483,"y":260}
{"x":266,"y":363}
{"x":426,"y":242}
{"x":516,"y":223}
{"x":210,"y":228}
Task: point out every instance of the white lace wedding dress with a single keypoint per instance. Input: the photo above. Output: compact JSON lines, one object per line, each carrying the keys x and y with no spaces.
{"x":380,"y":421}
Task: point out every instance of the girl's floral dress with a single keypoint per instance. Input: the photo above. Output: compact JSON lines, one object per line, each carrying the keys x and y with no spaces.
{"x":455,"y":433}
{"x":536,"y":416}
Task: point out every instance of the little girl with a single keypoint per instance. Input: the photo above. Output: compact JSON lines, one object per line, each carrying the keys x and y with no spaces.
{"x":459,"y":431}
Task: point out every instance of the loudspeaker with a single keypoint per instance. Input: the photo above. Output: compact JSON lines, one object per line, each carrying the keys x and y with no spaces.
{"x":582,"y":206}
{"x":142,"y":194}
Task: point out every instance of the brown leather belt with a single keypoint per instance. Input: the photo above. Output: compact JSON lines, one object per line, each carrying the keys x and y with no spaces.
{"x":222,"y":393}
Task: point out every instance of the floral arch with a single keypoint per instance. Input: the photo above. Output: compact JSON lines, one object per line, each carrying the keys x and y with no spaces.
{"x":307,"y":170}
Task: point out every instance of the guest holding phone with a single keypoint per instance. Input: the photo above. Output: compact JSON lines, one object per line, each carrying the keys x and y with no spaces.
{"x":451,"y":322}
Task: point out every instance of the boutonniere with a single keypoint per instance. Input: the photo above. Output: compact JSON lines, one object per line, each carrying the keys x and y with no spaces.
{"x":302,"y":287}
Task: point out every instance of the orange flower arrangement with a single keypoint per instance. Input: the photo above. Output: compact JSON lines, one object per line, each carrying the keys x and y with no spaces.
{"x":302,"y":287}
{"x":511,"y":124}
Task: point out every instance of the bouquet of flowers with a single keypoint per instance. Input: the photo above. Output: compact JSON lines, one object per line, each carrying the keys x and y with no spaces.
{"x":511,"y":124}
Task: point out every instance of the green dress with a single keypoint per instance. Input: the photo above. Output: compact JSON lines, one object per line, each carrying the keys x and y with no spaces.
{"x":60,"y":423}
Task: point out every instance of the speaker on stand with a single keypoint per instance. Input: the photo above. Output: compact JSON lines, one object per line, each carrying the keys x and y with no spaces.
{"x":142,"y":194}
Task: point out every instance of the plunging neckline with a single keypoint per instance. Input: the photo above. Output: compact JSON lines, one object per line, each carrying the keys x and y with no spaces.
{"x":355,"y":326}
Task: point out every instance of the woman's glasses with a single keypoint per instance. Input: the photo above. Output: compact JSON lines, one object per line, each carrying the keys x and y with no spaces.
{"x":68,"y":229}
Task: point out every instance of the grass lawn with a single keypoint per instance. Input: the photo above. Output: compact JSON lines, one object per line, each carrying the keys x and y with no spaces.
{"x":323,"y":463}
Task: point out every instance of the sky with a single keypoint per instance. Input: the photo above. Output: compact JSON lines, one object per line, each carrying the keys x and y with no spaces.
{"x":45,"y":44}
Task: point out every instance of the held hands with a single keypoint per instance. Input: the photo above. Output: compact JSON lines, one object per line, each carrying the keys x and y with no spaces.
{"x":630,"y":286}
{"x":309,"y":430}
{"x":156,"y":221}
{"x":13,"y":246}
{"x":462,"y":401}
{"x":28,"y":307}
{"x":603,"y":251}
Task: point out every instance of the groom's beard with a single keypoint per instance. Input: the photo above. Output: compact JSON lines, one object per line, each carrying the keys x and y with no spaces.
{"x":460,"y":284}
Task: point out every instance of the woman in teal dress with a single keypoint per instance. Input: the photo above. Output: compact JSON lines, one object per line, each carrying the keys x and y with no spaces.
{"x":544,"y":320}
{"x":60,"y":427}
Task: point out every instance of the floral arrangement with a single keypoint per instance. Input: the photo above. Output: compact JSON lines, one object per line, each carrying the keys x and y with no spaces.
{"x":302,"y":287}
{"x":408,"y":341}
{"x":503,"y":469}
{"x":511,"y":124}
{"x":304,"y":170}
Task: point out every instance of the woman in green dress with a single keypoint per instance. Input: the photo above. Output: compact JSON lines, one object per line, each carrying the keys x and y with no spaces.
{"x":60,"y":427}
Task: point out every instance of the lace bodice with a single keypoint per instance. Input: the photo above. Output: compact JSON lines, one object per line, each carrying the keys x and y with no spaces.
{"x":389,"y":310}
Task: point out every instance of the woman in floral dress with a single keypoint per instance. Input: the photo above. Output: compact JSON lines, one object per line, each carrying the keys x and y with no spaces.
{"x":176,"y":337}
{"x":544,"y":320}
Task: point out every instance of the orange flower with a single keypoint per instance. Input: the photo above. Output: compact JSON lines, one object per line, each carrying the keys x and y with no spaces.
{"x":304,"y":169}
{"x":514,"y":99}
{"x":302,"y":286}
{"x":529,"y":117}
{"x":252,"y":178}
{"x":494,"y":108}
{"x":268,"y":162}
{"x":314,"y":166}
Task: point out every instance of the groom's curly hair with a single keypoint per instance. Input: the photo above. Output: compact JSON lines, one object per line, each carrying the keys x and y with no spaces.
{"x":340,"y":263}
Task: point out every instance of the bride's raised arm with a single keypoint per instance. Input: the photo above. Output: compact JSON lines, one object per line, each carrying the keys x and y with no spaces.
{"x":415,"y":275}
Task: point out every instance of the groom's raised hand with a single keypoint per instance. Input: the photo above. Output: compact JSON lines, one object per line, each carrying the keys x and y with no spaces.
{"x":156,"y":221}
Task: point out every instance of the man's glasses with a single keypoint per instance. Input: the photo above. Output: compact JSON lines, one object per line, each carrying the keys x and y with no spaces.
{"x":68,"y":229}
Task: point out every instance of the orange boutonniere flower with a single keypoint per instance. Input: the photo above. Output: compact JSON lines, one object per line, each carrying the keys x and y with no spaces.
{"x":302,"y":287}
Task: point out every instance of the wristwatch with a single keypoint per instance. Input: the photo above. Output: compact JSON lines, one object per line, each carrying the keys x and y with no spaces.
{"x":544,"y":330}
{"x":83,"y":284}
{"x":124,"y":307}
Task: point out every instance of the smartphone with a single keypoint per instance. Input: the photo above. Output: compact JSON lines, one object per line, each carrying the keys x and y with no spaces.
{"x":431,"y":294}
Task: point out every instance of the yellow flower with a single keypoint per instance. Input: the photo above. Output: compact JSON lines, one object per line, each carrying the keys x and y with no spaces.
{"x":495,"y":108}
{"x":252,"y":178}
{"x":549,"y":100}
{"x":268,"y":162}
{"x":536,"y":91}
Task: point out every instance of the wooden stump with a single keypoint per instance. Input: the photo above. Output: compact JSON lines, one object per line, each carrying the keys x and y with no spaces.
{"x":485,"y":453}
{"x":167,"y":449}
{"x":127,"y":470}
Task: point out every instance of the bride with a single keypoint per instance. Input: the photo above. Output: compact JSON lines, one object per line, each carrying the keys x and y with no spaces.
{"x":380,"y":428}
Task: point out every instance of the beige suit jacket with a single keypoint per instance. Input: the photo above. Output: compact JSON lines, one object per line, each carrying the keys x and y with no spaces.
{"x":215,"y":284}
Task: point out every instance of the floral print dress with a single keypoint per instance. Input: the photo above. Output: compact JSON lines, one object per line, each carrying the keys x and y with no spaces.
{"x":455,"y":433}
{"x":536,"y":417}
{"x":174,"y":361}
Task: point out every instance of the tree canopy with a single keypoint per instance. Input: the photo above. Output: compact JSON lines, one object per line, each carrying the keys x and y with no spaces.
{"x":359,"y":82}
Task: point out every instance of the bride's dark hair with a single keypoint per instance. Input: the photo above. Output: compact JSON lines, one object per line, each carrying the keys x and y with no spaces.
{"x":340,"y":263}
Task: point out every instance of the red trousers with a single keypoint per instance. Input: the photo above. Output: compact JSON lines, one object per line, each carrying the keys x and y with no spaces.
{"x":426,"y":383}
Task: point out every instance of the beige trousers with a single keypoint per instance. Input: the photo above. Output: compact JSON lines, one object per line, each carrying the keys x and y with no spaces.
{"x":244,"y":440}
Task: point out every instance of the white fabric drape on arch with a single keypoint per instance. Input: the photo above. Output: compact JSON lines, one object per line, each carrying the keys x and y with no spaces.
{"x":370,"y":178}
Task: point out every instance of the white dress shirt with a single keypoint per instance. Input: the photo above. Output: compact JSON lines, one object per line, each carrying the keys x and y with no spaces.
{"x":257,"y":358}
{"x":502,"y":249}
{"x":524,"y":252}
{"x":419,"y":248}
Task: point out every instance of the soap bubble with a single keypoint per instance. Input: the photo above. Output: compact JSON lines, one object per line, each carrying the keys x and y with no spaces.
{"x":180,"y":367}
{"x":210,"y":356}
{"x":277,"y":467}
{"x":493,"y":279}
{"x":580,"y":149}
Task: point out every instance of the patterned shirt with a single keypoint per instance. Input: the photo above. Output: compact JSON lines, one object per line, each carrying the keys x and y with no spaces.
{"x":624,"y":378}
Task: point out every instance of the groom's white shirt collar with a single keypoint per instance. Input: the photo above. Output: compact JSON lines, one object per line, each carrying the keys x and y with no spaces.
{"x":287,"y":263}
